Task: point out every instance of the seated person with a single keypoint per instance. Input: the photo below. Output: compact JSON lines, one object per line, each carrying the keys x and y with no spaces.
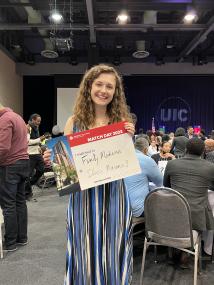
{"x":179,"y":143}
{"x":138,"y":185}
{"x":192,"y":176}
{"x":163,"y":156}
{"x":153,"y":143}
{"x":152,"y":149}
{"x":202,"y":135}
{"x":209,"y":150}
{"x":164,"y":153}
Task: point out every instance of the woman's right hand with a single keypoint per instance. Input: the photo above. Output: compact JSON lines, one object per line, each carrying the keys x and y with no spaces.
{"x":47,"y":156}
{"x":130,"y":128}
{"x":42,"y":137}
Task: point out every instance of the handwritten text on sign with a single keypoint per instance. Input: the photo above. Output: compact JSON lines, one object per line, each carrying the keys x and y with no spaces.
{"x":103,"y":155}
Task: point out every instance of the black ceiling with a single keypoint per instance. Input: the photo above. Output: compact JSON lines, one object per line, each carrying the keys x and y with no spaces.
{"x":89,"y":31}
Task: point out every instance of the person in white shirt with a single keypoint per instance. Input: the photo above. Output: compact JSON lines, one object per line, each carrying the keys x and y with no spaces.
{"x":152,"y":148}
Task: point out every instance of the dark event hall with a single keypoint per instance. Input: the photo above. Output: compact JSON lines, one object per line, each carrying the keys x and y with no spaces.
{"x":106,"y":142}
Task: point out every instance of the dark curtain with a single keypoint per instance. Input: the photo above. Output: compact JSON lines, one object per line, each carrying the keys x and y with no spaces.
{"x":172,"y":100}
{"x":38,"y":97}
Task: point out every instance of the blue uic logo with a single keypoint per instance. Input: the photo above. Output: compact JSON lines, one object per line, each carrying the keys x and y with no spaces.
{"x":173,"y":112}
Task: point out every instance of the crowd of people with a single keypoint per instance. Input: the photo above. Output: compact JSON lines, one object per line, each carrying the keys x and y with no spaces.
{"x":164,"y":148}
{"x":183,"y":161}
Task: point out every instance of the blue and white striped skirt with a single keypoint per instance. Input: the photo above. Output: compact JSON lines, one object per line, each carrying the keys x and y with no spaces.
{"x":99,"y":247}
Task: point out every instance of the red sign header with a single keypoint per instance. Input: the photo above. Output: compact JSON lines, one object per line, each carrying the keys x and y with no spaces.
{"x":96,"y":134}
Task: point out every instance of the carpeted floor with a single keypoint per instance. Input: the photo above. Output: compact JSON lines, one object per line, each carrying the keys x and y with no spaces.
{"x":42,"y":261}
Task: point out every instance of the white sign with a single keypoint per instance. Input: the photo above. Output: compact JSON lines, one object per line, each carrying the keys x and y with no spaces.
{"x":162,"y":165}
{"x":103,"y":155}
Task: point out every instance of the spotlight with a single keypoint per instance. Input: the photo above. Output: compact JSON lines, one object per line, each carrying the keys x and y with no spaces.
{"x":56,"y":16}
{"x":169,"y":46}
{"x":119,"y":43}
{"x":191,"y":16}
{"x":122,"y":18}
{"x":170,"y":43}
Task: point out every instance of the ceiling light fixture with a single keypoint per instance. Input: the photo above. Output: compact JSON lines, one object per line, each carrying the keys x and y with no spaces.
{"x":123,"y":18}
{"x":119,"y":44}
{"x":191,"y":16}
{"x":170,"y":43}
{"x":169,"y":46}
{"x":141,"y":51}
{"x":56,"y":16}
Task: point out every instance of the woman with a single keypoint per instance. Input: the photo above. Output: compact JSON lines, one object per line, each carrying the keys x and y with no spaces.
{"x":163,"y":156}
{"x":99,"y":247}
{"x":202,"y":135}
{"x":153,"y":148}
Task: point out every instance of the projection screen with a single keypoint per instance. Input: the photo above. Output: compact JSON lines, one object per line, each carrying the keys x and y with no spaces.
{"x":65,"y":103}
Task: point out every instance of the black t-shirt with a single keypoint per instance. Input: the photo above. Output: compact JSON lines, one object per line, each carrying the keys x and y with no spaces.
{"x":157,"y":157}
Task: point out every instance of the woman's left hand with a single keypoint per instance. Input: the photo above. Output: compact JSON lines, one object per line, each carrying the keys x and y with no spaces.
{"x":130,"y":128}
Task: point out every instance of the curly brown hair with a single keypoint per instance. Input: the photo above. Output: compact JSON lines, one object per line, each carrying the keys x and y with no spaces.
{"x":84,"y":111}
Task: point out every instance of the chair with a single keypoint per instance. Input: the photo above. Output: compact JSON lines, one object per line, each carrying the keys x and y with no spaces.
{"x":1,"y":237}
{"x":135,"y":222}
{"x":47,"y":180}
{"x":168,"y":223}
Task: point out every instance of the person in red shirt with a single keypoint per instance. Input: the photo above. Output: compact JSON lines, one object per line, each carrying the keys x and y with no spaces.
{"x":14,"y":169}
